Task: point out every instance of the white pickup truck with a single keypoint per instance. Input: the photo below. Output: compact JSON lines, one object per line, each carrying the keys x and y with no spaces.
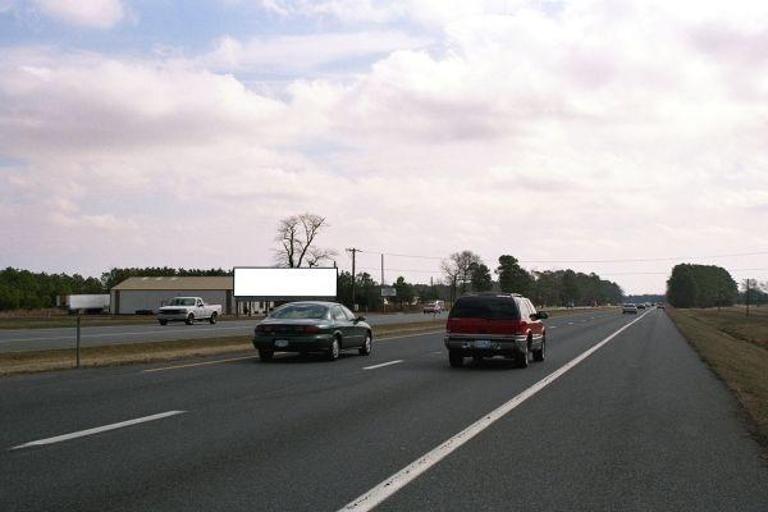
{"x":189,"y":310}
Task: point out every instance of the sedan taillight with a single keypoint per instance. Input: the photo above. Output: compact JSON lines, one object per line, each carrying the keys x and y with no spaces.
{"x":311,"y":329}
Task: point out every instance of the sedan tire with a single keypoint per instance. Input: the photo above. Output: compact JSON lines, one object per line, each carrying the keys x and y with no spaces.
{"x":265,"y":355}
{"x":335,"y":351}
{"x":365,"y":350}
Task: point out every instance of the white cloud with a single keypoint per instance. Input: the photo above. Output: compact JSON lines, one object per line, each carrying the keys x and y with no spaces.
{"x":89,"y":13}
{"x":304,"y":52}
{"x":604,"y":130}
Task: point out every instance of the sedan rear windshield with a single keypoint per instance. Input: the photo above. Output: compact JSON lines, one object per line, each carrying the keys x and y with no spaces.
{"x":300,"y":311}
{"x":497,"y":308}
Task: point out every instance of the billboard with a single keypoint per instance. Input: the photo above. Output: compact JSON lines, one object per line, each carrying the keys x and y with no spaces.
{"x":263,"y":283}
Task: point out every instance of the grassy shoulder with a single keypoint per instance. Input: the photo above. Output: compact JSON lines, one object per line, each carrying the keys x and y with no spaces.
{"x":736,"y":348}
{"x":142,"y":353}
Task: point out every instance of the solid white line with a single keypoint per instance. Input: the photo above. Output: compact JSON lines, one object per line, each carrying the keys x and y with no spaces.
{"x":394,"y":483}
{"x":382,"y":365}
{"x":97,"y":430}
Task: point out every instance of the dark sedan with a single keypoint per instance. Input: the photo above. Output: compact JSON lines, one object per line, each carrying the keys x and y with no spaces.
{"x":304,"y":327}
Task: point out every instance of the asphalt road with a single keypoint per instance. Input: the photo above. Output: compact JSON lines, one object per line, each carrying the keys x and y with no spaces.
{"x":640,"y":424}
{"x":20,"y":340}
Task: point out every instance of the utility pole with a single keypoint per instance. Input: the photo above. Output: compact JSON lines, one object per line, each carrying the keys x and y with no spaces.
{"x":747,"y":294}
{"x":382,"y":269}
{"x":354,"y":252}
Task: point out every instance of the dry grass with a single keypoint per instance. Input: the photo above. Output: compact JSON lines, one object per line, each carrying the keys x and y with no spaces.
{"x":735,"y":348}
{"x":140,"y":353}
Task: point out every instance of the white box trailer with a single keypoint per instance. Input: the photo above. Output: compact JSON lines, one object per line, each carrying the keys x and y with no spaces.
{"x":90,"y":302}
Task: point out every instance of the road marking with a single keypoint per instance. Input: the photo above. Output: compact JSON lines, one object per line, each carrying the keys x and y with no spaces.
{"x":382,"y":365}
{"x":394,"y":483}
{"x":204,"y":363}
{"x":410,"y":335}
{"x":98,"y":430}
{"x":570,"y":323}
{"x":117,"y":334}
{"x":553,"y":327}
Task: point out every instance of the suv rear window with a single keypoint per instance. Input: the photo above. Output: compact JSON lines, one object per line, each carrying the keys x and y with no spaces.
{"x":497,"y":308}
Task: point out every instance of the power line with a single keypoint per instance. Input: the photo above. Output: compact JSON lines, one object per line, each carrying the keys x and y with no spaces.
{"x":616,"y":260}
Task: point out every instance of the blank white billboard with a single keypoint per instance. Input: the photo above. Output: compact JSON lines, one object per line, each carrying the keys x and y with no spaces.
{"x":285,"y":283}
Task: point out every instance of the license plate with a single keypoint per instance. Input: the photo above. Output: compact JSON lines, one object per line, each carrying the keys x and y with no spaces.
{"x":281,"y":343}
{"x":482,"y":343}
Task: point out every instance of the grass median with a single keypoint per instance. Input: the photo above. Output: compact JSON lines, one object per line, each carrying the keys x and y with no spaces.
{"x":736,"y":348}
{"x":151,"y":352}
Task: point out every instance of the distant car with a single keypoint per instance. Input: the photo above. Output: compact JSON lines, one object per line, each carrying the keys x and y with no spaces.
{"x":641,"y":306}
{"x":188,"y":310}
{"x":436,"y":307}
{"x":311,"y":326}
{"x":629,"y":308}
{"x":660,"y":306}
{"x":495,"y":324}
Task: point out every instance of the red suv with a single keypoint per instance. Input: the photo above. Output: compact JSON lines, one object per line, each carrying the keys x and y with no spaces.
{"x":495,"y":324}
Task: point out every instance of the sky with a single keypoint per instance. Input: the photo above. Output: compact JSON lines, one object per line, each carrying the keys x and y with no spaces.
{"x":616,"y":137}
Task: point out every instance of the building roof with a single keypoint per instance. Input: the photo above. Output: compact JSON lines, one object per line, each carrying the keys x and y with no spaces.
{"x":177,"y":283}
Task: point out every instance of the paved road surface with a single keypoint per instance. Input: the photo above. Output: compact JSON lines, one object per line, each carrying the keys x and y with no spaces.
{"x":640,"y":424}
{"x":19,"y":340}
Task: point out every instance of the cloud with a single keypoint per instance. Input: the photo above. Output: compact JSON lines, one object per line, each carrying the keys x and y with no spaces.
{"x":600,"y":130}
{"x":304,"y":52}
{"x":100,"y":14}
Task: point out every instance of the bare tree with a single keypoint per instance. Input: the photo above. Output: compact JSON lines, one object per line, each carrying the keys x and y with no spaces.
{"x":458,"y":269}
{"x":296,"y":235}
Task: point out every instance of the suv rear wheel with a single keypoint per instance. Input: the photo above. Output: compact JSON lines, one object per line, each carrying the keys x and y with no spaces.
{"x":524,"y":356}
{"x":456,"y":358}
{"x":538,"y":355}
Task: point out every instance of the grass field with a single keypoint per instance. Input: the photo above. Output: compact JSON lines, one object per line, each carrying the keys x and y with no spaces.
{"x":135,"y":353}
{"x":736,"y":348}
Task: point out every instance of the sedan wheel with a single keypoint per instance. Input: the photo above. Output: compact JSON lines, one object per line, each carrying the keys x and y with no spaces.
{"x":333,"y":353}
{"x":365,"y":350}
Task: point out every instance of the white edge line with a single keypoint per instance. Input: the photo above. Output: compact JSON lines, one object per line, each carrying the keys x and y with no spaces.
{"x":382,"y":365}
{"x":394,"y":483}
{"x":98,"y":430}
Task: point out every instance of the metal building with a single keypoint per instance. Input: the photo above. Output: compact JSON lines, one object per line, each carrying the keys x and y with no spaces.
{"x":146,"y":294}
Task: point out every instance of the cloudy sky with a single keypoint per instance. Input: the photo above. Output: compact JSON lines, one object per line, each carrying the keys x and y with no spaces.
{"x":566,"y":133}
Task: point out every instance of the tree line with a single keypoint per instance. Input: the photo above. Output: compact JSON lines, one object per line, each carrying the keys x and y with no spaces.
{"x":700,"y":286}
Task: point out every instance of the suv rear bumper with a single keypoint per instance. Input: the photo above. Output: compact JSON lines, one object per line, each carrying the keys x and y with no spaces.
{"x":495,"y":345}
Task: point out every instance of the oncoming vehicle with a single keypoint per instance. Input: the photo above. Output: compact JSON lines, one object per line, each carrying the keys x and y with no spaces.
{"x":188,"y":310}
{"x":641,"y":306}
{"x":312,"y":326}
{"x":629,"y":308}
{"x":495,"y":324}
{"x":435,"y":306}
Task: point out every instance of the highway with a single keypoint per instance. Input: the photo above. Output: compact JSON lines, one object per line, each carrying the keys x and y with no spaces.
{"x":622,"y":415}
{"x":19,"y":340}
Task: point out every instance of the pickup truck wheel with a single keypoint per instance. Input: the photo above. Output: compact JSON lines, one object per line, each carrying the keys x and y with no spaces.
{"x":365,"y":350}
{"x":163,"y":322}
{"x":190,"y":319}
{"x":456,"y":358}
{"x":214,"y":318}
{"x":538,"y":355}
{"x":265,"y":355}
